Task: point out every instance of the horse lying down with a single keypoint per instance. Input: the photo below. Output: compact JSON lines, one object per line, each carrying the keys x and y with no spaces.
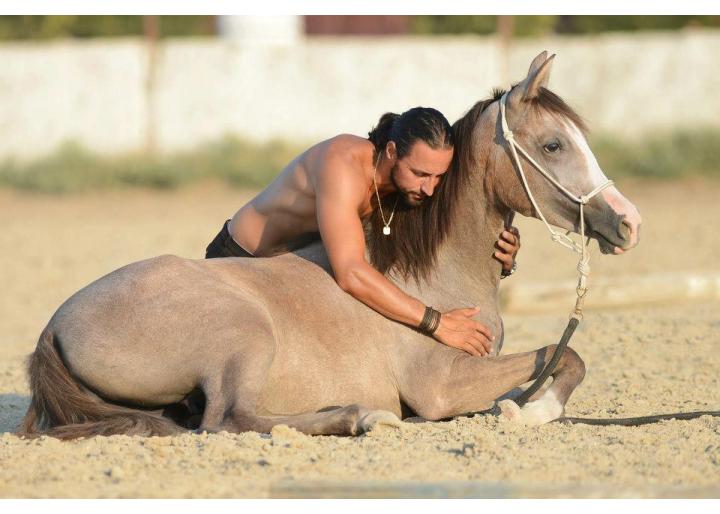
{"x":253,"y":343}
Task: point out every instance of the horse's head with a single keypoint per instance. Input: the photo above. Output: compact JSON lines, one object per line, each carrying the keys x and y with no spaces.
{"x":549,"y":132}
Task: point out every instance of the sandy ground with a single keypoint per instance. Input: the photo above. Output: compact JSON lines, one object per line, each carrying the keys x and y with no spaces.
{"x":640,"y":360}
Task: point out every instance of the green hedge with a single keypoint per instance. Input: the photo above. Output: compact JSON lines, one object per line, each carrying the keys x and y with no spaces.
{"x":72,"y":168}
{"x":77,"y":26}
{"x":531,"y":26}
{"x":663,"y":155}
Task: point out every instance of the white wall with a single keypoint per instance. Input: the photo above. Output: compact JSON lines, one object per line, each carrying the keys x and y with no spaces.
{"x":95,"y":92}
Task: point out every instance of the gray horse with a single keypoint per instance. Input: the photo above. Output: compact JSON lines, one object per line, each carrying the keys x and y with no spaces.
{"x":272,"y":341}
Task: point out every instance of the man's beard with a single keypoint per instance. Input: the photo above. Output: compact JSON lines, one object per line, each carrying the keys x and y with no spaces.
{"x":409,"y":198}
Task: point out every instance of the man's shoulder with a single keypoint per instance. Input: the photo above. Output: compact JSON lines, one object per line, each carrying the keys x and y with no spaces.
{"x":349,"y":153}
{"x":349,"y":145}
{"x":345,"y":165}
{"x":351,"y":138}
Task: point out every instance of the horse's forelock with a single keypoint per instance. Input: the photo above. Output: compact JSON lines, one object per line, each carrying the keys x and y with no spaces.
{"x":548,"y":101}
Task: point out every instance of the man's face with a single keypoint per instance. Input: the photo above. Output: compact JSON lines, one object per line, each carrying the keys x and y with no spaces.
{"x":417,"y":174}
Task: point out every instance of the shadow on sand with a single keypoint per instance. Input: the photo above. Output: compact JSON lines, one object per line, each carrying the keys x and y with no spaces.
{"x":12,"y":410}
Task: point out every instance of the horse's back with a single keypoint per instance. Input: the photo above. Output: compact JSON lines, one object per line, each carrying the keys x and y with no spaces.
{"x":150,"y":332}
{"x":152,"y":329}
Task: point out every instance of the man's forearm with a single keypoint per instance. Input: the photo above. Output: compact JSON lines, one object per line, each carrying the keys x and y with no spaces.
{"x":455,"y":328}
{"x":376,"y":291}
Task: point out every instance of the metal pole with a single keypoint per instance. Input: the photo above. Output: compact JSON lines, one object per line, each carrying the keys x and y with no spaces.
{"x":151,"y":32}
{"x":505,"y":35}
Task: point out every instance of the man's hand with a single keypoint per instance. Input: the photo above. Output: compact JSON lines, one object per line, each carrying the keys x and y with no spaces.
{"x":458,"y":330}
{"x":508,"y":245}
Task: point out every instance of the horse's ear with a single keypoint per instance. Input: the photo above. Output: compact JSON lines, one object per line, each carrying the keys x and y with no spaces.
{"x":537,"y":62}
{"x":538,"y":78}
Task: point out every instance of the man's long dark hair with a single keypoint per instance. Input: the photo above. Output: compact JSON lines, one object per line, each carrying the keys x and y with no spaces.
{"x":417,"y":232}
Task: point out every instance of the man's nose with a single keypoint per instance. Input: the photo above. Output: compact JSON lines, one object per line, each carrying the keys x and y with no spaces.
{"x":428,"y":187}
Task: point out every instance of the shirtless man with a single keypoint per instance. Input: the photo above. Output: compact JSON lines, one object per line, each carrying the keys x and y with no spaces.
{"x":335,"y":189}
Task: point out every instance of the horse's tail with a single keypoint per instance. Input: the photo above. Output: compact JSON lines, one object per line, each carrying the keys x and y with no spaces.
{"x":61,"y":407}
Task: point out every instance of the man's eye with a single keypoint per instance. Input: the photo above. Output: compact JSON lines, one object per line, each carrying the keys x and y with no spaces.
{"x":551,"y":147}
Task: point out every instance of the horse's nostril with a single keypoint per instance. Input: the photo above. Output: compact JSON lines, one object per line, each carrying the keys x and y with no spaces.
{"x":625,"y":230}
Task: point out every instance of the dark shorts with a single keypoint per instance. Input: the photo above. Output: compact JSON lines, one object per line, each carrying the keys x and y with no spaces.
{"x":225,"y":246}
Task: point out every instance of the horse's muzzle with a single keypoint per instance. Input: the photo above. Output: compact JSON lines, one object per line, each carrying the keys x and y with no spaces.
{"x":614,"y":222}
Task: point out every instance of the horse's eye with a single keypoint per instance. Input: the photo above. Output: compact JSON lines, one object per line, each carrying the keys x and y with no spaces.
{"x":551,"y":147}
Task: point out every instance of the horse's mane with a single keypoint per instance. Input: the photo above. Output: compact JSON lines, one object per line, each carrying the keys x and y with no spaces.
{"x":464,"y":159}
{"x":419,"y":232}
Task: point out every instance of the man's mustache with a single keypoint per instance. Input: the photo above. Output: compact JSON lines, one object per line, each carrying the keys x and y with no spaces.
{"x":414,"y":198}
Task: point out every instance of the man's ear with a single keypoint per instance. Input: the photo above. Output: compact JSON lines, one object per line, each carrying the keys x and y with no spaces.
{"x":391,"y":150}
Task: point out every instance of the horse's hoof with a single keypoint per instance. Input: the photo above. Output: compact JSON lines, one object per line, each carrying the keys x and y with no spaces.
{"x":534,"y":413}
{"x":542,"y":411}
{"x":510,"y":411}
{"x":375,"y":418}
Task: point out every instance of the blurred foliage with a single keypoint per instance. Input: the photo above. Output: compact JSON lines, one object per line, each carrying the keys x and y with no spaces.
{"x":72,"y":168}
{"x":680,"y":153}
{"x":240,"y":163}
{"x":483,"y":25}
{"x":594,"y":24}
{"x":528,"y":26}
{"x":47,"y":27}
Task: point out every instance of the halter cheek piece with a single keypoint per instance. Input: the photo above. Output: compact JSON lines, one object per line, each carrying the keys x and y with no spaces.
{"x":583,"y":266}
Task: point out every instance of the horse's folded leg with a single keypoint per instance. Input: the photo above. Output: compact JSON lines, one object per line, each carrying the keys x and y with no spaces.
{"x":376,"y":418}
{"x":515,"y":393}
{"x":459,"y":384}
{"x":350,"y":420}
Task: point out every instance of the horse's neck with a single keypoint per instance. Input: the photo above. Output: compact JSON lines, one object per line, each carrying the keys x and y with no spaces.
{"x":466,"y":272}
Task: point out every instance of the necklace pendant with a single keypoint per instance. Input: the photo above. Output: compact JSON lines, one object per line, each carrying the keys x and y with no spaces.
{"x":386,"y":230}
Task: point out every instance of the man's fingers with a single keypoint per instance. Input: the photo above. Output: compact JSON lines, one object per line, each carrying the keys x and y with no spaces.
{"x":482,"y":329}
{"x":505,"y":258}
{"x":471,"y":350}
{"x":508,"y":247}
{"x":514,"y":231}
{"x":482,"y":344}
{"x":478,"y":348}
{"x":485,"y":342}
{"x":509,"y":237}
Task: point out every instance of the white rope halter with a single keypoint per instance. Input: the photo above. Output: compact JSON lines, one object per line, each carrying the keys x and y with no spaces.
{"x":583,"y":266}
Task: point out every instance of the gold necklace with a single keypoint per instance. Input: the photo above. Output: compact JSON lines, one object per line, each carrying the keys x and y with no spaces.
{"x":386,"y":228}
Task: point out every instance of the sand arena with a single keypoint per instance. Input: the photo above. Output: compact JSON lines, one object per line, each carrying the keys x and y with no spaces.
{"x":642,"y":359}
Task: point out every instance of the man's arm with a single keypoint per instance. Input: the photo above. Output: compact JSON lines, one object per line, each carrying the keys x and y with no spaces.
{"x":339,"y":195}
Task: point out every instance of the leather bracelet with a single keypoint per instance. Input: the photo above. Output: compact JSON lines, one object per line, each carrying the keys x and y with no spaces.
{"x":427,"y":317}
{"x":430,"y":321}
{"x":435,"y":322}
